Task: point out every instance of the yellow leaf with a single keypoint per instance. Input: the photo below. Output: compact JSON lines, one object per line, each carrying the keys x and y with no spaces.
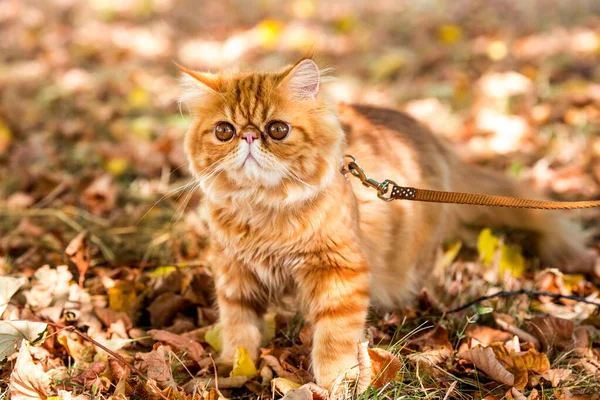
{"x":487,"y":244}
{"x":138,"y":98}
{"x":213,"y":337}
{"x":117,"y":166}
{"x":345,"y":24}
{"x":512,"y":260}
{"x":497,"y":50}
{"x":6,"y":137}
{"x":268,"y":328}
{"x":162,"y":271}
{"x":283,"y":386}
{"x":268,"y":32}
{"x":121,"y":296}
{"x":243,"y":364}
{"x":451,"y":253}
{"x":572,"y":280}
{"x":449,"y":33}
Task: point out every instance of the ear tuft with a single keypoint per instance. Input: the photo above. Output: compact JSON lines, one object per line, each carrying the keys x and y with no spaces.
{"x":304,"y":80}
{"x":196,"y":85}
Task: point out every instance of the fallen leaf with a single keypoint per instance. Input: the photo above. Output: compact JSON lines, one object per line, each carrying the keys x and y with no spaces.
{"x":6,"y":137}
{"x":449,"y":33}
{"x":213,"y":337}
{"x":485,"y":360}
{"x":552,"y":331}
{"x":13,"y":332}
{"x":243,"y":364}
{"x":283,"y":386}
{"x":164,"y":307}
{"x":8,"y":287}
{"x":556,"y":376}
{"x":269,"y":328}
{"x":91,"y":376}
{"x":122,"y":296}
{"x":487,"y":244}
{"x":49,"y":286}
{"x":78,"y":252}
{"x":507,"y":325}
{"x":511,"y":260}
{"x":365,"y":368}
{"x":302,"y":393}
{"x":28,"y":381}
{"x":487,"y":335}
{"x":513,"y":393}
{"x":534,"y":395}
{"x":192,"y":348}
{"x":157,"y":367}
{"x":101,"y":195}
{"x":385,"y":366}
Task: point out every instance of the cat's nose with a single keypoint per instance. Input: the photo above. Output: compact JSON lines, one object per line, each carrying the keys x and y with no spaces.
{"x":249,"y":136}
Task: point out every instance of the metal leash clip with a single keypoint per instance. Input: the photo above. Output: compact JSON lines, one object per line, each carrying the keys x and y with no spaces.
{"x":355,"y":169}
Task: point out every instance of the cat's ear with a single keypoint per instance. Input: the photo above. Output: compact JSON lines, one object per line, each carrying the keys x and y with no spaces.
{"x":303,"y":80}
{"x":196,"y":85}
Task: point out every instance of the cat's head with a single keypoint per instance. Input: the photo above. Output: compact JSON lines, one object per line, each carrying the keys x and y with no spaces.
{"x":269,"y":137}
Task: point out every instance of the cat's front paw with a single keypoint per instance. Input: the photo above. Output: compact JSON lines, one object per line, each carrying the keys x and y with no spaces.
{"x":333,"y":373}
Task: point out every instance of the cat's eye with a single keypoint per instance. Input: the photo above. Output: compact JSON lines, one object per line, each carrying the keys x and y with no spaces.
{"x":278,"y":130}
{"x":224,"y":131}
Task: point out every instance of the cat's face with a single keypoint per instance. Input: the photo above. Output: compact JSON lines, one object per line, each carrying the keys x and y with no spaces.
{"x":268,"y":137}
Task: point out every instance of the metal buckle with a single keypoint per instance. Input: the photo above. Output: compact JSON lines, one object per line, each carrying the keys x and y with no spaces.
{"x":383,"y":189}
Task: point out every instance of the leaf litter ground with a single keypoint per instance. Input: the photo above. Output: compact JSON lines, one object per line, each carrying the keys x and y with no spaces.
{"x":106,"y":290}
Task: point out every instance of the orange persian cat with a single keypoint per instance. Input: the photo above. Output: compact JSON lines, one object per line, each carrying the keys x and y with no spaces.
{"x":266,"y":149}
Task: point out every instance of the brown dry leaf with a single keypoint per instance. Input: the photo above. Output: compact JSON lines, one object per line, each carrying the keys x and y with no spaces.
{"x":515,"y":394}
{"x":318,"y":393}
{"x":485,"y":360}
{"x":556,"y":376}
{"x":534,"y":395}
{"x":507,"y":325}
{"x":28,"y":381}
{"x":78,"y":252}
{"x":192,"y":348}
{"x":433,"y":339}
{"x":283,"y":386}
{"x":581,"y":342}
{"x":109,"y":317}
{"x":566,"y":394}
{"x":156,"y":365}
{"x":302,"y":393}
{"x":385,"y":366}
{"x":365,"y":368}
{"x":520,"y":364}
{"x":101,"y":195}
{"x":276,"y":366}
{"x":91,"y":376}
{"x":487,"y":335}
{"x":552,"y":331}
{"x":164,"y":307}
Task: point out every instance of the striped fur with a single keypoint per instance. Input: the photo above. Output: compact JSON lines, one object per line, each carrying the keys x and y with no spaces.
{"x":288,"y":222}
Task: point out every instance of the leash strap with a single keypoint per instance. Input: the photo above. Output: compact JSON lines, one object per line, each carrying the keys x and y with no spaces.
{"x":388,"y":190}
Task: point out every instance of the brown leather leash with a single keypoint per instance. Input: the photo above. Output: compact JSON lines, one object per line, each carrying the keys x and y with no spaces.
{"x":388,"y":190}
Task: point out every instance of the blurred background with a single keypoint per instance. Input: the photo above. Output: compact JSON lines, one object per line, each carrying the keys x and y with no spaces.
{"x":91,"y":133}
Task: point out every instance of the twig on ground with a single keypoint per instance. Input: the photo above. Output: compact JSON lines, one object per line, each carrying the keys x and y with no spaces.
{"x":527,"y":292}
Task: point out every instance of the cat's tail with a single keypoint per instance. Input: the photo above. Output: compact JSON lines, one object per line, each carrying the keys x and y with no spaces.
{"x":561,"y":242}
